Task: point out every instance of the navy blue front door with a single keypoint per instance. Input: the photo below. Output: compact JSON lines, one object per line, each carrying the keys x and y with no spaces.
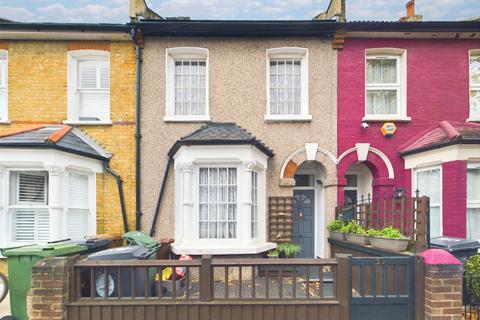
{"x":304,"y":221}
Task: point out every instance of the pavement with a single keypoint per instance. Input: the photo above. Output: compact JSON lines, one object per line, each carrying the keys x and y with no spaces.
{"x":5,"y":307}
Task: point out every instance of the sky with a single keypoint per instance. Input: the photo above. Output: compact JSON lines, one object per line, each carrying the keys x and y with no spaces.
{"x":116,"y":11}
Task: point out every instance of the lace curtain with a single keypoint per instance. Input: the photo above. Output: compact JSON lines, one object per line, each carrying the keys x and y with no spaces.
{"x":381,"y":72}
{"x":473,"y":204}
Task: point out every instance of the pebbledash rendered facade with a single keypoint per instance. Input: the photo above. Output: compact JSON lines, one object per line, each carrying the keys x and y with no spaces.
{"x":239,"y":116}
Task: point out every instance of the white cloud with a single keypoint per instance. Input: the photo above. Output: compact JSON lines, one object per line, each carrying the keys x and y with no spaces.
{"x":16,"y":13}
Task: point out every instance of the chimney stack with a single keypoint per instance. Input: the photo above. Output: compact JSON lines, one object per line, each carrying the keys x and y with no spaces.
{"x":411,"y":16}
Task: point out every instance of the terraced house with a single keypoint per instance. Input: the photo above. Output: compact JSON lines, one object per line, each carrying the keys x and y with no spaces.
{"x":67,"y":119}
{"x":238,"y":127}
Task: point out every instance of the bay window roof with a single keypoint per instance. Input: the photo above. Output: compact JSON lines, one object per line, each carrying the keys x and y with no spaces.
{"x":220,"y":133}
{"x":63,"y":138}
{"x":444,"y":134}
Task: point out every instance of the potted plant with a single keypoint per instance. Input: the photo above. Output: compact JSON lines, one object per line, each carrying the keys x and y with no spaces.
{"x":388,"y":238}
{"x":288,"y":250}
{"x":355,"y":233}
{"x":273,"y":254}
{"x":334,"y":230}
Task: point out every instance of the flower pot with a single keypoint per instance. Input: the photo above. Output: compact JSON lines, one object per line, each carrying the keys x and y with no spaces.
{"x":358,"y":239}
{"x":396,"y":245}
{"x":337,"y":235}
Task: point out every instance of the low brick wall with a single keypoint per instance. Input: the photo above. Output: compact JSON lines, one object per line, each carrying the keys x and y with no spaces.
{"x":443,"y":292}
{"x":49,"y":294}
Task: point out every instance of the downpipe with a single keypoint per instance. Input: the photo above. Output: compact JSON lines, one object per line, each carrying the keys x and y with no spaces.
{"x":120,"y":193}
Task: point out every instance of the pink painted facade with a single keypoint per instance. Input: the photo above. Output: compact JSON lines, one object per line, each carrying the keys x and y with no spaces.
{"x":437,"y":77}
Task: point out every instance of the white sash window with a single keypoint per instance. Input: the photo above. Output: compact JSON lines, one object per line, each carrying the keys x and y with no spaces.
{"x":475,"y":85}
{"x":78,"y":209}
{"x":218,"y":203}
{"x":89,"y":86}
{"x":429,"y":182}
{"x":254,"y":207}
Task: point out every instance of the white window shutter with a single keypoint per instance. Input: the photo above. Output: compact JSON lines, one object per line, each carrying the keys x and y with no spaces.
{"x":32,"y":225}
{"x":32,"y":187}
{"x":94,"y":90}
{"x":25,"y":225}
{"x":78,"y":212}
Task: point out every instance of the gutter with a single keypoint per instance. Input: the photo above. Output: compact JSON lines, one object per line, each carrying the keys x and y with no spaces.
{"x":138,"y":135}
{"x":440,"y":145}
{"x":160,"y":196}
{"x":120,"y":193}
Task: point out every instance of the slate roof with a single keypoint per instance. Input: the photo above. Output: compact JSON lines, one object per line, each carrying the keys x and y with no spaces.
{"x":220,"y":133}
{"x":444,"y":134}
{"x":63,"y":138}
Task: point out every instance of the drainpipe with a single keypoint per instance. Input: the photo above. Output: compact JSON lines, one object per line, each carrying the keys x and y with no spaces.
{"x":160,"y":196}
{"x":138,"y":136}
{"x":120,"y":193}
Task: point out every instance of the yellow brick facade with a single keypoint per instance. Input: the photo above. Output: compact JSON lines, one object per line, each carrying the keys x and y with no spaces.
{"x":37,"y":94}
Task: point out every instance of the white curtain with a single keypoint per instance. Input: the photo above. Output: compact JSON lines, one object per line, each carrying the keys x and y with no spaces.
{"x":473,"y":223}
{"x":218,"y":203}
{"x":475,"y":85}
{"x":285,"y":87}
{"x":190,"y":87}
{"x":429,"y":184}
{"x":381,"y":72}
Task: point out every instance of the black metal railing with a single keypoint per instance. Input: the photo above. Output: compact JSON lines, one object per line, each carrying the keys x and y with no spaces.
{"x":471,"y":297}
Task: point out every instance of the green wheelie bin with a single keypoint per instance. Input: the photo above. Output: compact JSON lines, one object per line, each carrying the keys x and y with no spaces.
{"x":20,"y":263}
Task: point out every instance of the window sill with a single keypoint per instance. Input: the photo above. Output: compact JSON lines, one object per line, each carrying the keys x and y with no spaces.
{"x":88,"y":123}
{"x":273,"y":118}
{"x":208,"y":247}
{"x":387,"y":119}
{"x":473,"y":119}
{"x":5,"y":122}
{"x":186,"y":119}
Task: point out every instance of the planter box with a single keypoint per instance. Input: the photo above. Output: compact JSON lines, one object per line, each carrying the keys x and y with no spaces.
{"x":358,"y":239}
{"x":396,"y":245}
{"x":340,"y":236}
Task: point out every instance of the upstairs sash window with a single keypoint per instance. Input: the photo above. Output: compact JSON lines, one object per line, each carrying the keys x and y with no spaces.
{"x":382,"y":86}
{"x":475,"y":85}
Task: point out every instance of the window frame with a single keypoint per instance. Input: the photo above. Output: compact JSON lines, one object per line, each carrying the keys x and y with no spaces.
{"x":4,"y":61}
{"x":184,"y":53}
{"x":472,"y":87}
{"x":296,"y":53}
{"x":254,"y":204}
{"x":472,"y":204}
{"x":415,"y":186}
{"x":73,"y":59}
{"x":400,"y":55}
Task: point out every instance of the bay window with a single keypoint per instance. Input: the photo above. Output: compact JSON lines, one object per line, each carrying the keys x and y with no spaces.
{"x":428,"y":181}
{"x":89,"y":87}
{"x":385,"y":85}
{"x":187,"y":84}
{"x":287,"y":84}
{"x":473,"y":202}
{"x":475,"y":85}
{"x":220,"y":196}
{"x":3,"y":85}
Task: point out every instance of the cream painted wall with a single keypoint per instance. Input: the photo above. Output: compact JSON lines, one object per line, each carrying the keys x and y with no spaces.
{"x":237,"y":90}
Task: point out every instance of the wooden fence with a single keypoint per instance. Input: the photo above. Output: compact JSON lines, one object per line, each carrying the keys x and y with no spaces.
{"x":210,"y":289}
{"x":409,"y":214}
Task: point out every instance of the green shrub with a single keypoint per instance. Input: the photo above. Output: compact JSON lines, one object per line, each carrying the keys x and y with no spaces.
{"x":472,"y":277}
{"x":288,"y":250}
{"x":392,"y":233}
{"x":374,"y":233}
{"x":335,"y":225}
{"x":353,"y":227}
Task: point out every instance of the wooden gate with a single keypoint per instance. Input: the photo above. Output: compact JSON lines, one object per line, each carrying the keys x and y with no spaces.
{"x":382,"y":288}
